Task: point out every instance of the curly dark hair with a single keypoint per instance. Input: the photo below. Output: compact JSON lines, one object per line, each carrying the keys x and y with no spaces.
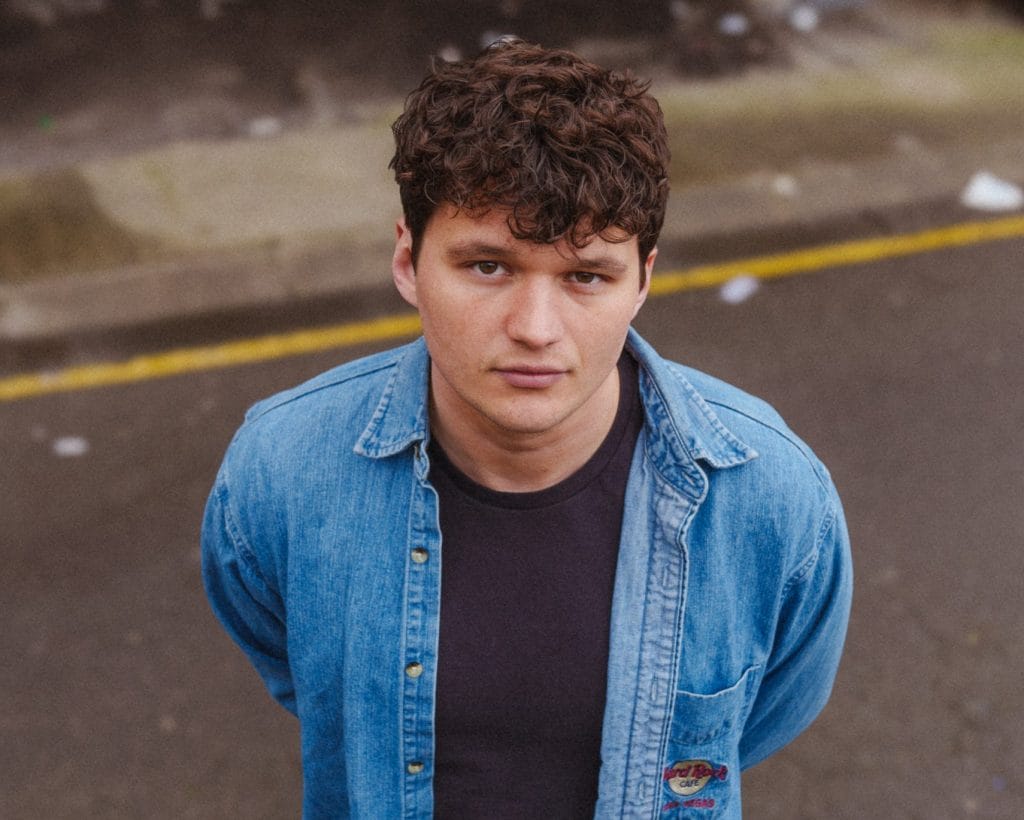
{"x":571,"y":149}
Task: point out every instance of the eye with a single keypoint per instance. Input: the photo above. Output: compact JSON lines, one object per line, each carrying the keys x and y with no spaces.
{"x":486,"y":268}
{"x":583,"y":277}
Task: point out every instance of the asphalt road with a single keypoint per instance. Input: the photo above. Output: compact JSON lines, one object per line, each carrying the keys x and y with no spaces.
{"x":122,"y":698}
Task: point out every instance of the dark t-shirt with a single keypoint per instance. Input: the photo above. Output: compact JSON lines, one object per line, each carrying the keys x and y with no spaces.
{"x":526,"y":596}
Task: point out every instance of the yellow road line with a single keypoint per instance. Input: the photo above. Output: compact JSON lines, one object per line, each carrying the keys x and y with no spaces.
{"x":844,"y":253}
{"x":192,"y":359}
{"x":246,"y":351}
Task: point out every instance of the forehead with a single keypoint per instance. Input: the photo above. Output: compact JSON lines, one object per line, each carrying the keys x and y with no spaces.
{"x":450,"y":227}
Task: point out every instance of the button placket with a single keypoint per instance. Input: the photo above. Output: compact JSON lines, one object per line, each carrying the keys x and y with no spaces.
{"x":420,"y":633}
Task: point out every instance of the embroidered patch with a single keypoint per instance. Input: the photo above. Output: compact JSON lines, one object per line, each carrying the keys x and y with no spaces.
{"x":687,"y":777}
{"x":692,"y":803}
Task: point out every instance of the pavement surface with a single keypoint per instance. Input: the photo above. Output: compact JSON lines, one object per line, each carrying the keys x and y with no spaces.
{"x":873,"y":117}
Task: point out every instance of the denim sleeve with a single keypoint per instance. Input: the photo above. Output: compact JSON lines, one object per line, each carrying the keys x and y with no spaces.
{"x":811,"y":630}
{"x":250,"y":609}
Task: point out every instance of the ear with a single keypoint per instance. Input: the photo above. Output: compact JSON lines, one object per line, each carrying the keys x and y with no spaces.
{"x":402,"y":269}
{"x":648,"y":270}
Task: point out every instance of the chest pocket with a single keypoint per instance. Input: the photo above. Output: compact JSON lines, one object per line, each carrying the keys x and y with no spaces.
{"x":701,"y":778}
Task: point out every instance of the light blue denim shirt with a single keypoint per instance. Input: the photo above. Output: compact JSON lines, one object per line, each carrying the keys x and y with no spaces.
{"x":322,"y":557}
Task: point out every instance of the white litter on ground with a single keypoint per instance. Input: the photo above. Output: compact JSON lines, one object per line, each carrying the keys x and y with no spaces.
{"x":450,"y":53}
{"x":739,"y":289}
{"x":70,"y":447}
{"x":734,"y":25}
{"x":785,"y":185}
{"x":263,"y":127}
{"x":491,"y":37}
{"x":804,"y":18}
{"x":987,"y":192}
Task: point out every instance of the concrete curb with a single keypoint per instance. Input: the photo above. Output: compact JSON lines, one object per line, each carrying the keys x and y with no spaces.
{"x":195,"y":283}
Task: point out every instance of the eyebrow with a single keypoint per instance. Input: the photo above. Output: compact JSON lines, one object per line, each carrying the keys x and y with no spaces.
{"x":602,"y":264}
{"x":484,"y":250}
{"x":475,"y":250}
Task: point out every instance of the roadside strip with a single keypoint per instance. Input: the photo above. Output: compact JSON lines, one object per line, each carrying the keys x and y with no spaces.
{"x":263,"y":348}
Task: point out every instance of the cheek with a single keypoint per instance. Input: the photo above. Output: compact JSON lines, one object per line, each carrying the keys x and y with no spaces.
{"x":606,"y":329}
{"x":461,"y":317}
{"x":458,"y":335}
{"x":437,"y":311}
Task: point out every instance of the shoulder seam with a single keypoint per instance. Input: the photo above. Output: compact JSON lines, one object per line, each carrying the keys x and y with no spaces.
{"x":247,"y":558}
{"x":805,"y":567}
{"x":783,"y":433}
{"x":297,"y":393}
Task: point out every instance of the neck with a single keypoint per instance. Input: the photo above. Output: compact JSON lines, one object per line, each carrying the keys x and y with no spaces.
{"x":515,"y":461}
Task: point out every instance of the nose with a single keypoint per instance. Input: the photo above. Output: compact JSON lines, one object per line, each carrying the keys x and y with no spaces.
{"x":534,"y":314}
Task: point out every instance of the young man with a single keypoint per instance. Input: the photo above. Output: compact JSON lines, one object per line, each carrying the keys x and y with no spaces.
{"x":524,"y":567}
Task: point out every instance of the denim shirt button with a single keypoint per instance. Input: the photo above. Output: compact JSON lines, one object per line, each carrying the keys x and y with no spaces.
{"x":414,"y":670}
{"x":414,"y":767}
{"x":419,"y":555}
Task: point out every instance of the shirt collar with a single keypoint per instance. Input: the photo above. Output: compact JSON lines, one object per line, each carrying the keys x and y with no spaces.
{"x":400,"y":419}
{"x":683,"y":414}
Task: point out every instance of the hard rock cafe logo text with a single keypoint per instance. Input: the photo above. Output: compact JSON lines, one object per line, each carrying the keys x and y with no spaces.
{"x":687,"y":777}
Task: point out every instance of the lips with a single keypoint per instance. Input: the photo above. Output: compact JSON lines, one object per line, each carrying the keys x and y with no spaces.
{"x":530,"y":377}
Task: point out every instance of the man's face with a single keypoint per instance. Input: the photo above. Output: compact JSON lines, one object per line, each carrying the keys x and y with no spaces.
{"x":523,"y":338}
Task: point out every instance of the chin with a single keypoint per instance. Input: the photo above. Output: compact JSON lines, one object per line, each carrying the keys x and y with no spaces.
{"x":526,"y":423}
